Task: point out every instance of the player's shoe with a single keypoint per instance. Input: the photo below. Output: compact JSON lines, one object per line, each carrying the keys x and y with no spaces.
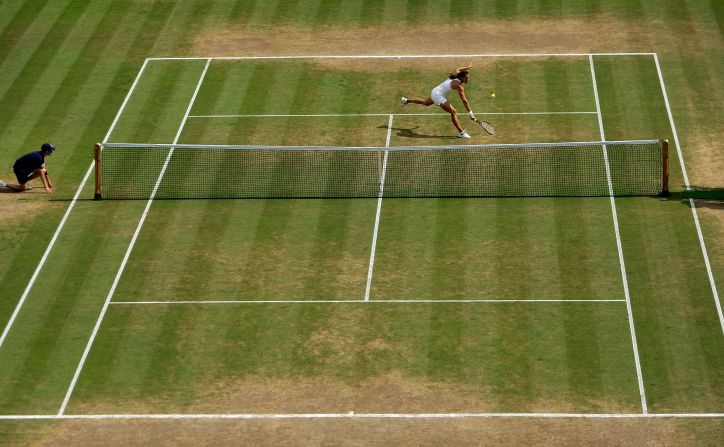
{"x":464,"y":134}
{"x":404,"y":101}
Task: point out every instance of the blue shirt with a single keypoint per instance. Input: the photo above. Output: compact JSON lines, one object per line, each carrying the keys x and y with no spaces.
{"x":29,"y":162}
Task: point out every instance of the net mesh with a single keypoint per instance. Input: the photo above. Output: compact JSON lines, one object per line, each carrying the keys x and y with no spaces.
{"x":625,"y":168}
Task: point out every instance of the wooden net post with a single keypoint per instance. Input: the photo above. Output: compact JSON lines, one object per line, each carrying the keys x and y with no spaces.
{"x":665,"y":164}
{"x":97,"y":158}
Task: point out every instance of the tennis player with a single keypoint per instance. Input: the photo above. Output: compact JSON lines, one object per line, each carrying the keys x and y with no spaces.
{"x":31,"y":166}
{"x":455,"y":81}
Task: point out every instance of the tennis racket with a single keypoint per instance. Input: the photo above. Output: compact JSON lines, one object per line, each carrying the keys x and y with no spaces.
{"x":486,"y":126}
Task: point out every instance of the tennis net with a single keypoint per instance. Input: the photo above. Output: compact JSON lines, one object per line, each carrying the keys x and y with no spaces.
{"x":619,"y":168}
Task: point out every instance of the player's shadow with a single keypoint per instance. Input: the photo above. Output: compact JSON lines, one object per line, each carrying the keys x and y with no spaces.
{"x":410,"y":133}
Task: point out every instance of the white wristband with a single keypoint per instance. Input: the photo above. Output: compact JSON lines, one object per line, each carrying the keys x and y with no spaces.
{"x":472,"y":115}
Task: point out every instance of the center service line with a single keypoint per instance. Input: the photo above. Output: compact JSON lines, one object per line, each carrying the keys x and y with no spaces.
{"x":379,"y":211}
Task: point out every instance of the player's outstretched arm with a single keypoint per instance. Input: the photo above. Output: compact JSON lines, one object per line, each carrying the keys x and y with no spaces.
{"x":459,"y":69}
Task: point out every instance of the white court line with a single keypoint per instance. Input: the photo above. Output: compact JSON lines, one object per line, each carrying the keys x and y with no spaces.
{"x":366,"y":301}
{"x":129,"y":250}
{"x":692,"y":205}
{"x":353,"y":415}
{"x":51,"y":244}
{"x":325,"y":115}
{"x":379,"y":211}
{"x":400,"y":56}
{"x":619,"y":247}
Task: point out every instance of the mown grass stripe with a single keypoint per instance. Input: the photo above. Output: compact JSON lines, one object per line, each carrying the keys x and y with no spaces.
{"x":30,"y":17}
{"x":46,"y":106}
{"x":89,"y":135}
{"x":333,"y":345}
{"x":166,"y":361}
{"x":103,"y":106}
{"x":307,"y":12}
{"x":8,"y":11}
{"x":294,"y":92}
{"x":198,"y":17}
{"x":34,"y":237}
{"x":333,"y":235}
{"x":580,"y":380}
{"x":669,"y":357}
{"x":44,"y":345}
{"x":444,"y":335}
{"x":240,"y":11}
{"x":120,"y":74}
{"x":128,"y":251}
{"x":329,"y":14}
{"x":510,"y":374}
{"x":619,"y":246}
{"x":262,"y":16}
{"x":692,"y":204}
{"x":283,"y":10}
{"x":14,"y":18}
{"x":120,"y":339}
{"x":273,"y":219}
{"x":580,"y":353}
{"x":32,"y":69}
{"x":196,"y":275}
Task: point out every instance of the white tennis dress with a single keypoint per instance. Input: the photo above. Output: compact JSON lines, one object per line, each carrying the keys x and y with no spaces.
{"x":439,"y":93}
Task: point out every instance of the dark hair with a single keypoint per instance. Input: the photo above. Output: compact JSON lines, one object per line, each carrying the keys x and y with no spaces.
{"x":461,"y":74}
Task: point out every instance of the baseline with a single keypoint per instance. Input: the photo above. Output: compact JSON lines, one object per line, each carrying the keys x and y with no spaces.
{"x":332,"y":115}
{"x":400,"y":56}
{"x":383,"y":172}
{"x":366,"y":301}
{"x":353,"y":415}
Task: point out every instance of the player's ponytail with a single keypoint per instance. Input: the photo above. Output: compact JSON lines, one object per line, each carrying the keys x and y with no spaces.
{"x":459,"y":75}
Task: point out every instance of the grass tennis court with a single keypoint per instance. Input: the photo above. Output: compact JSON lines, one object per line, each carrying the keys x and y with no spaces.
{"x":367,"y":309}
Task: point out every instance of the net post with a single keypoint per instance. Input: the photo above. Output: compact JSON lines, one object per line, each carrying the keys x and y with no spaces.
{"x":665,"y":165}
{"x":97,"y":149}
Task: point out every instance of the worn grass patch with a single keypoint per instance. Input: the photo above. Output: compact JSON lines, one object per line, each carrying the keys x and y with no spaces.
{"x":358,"y":432}
{"x":369,"y":357}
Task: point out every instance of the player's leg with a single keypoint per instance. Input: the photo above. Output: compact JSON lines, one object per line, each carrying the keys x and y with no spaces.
{"x":19,"y":188}
{"x":23,"y":179}
{"x":453,"y":115}
{"x":425,"y":102}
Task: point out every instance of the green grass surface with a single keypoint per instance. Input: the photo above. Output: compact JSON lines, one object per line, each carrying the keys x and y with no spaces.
{"x":456,"y":358}
{"x":65,"y":68}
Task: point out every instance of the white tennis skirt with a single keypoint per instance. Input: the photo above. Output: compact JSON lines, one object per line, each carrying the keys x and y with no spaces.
{"x":438,"y":97}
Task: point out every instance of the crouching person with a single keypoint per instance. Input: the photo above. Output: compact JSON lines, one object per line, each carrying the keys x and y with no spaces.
{"x":31,"y":166}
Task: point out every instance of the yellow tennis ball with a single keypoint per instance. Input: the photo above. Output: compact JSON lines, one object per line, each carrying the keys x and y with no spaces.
{"x":492,"y":95}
